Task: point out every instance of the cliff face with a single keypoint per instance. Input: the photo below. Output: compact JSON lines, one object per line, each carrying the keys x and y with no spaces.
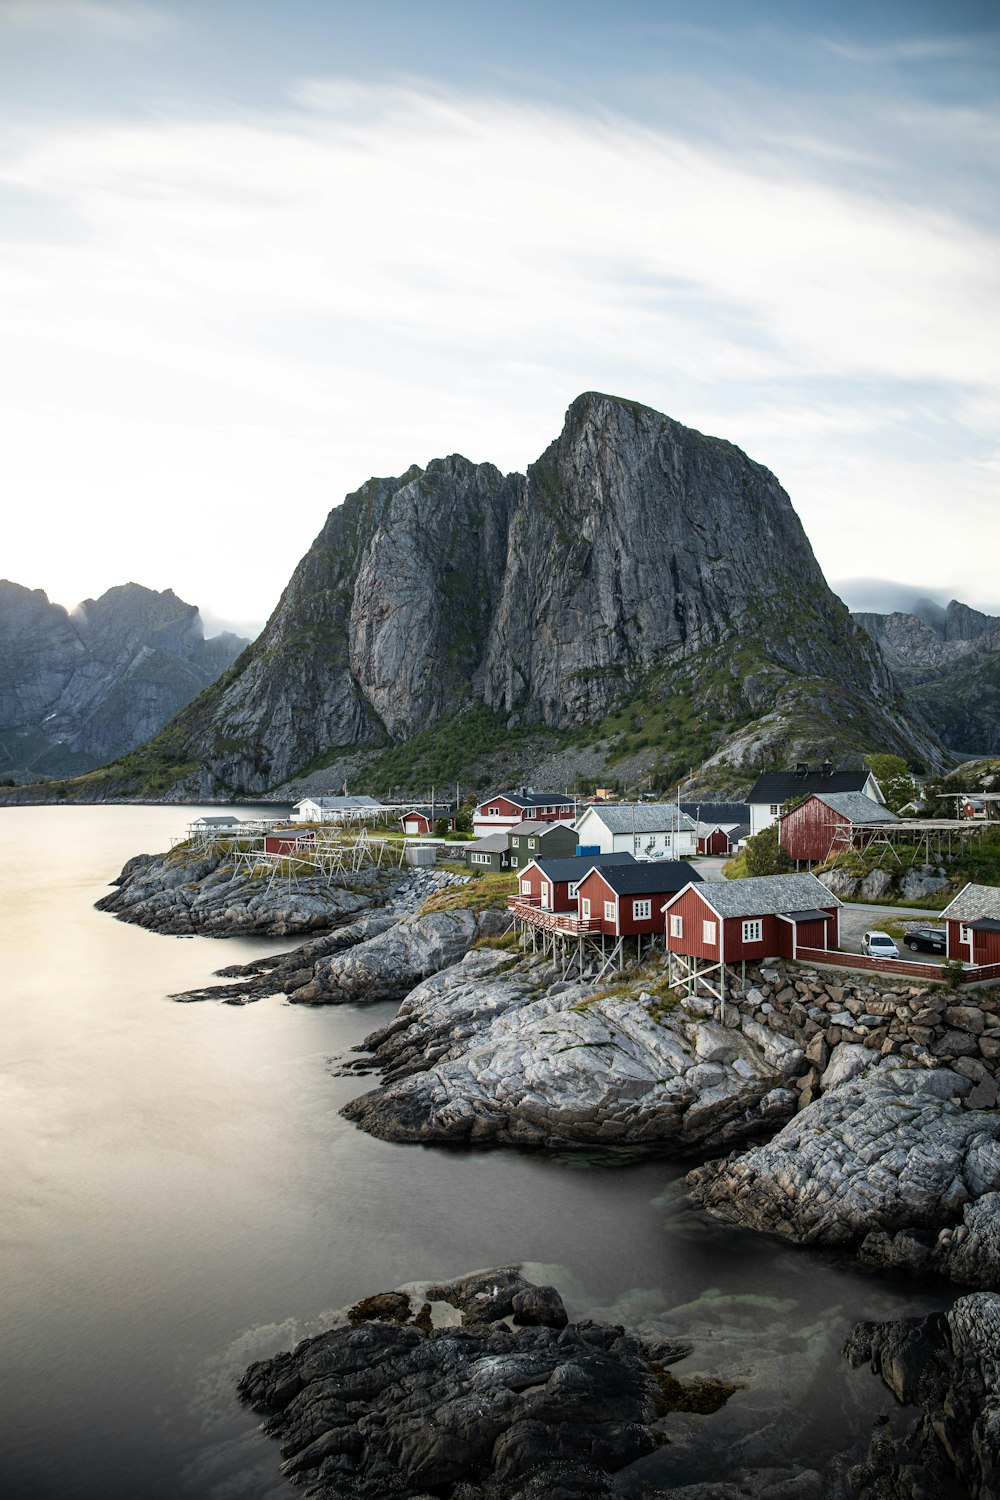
{"x":78,"y":689}
{"x":948,"y":663}
{"x":635,"y":557}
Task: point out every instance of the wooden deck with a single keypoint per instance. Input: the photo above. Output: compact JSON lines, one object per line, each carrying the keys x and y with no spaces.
{"x":527,"y":909}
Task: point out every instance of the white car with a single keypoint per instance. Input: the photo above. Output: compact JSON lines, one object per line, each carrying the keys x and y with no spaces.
{"x":879,"y":945}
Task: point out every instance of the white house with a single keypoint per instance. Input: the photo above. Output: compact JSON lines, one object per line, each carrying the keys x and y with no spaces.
{"x":335,"y":809}
{"x":770,"y":792}
{"x":647,"y":830}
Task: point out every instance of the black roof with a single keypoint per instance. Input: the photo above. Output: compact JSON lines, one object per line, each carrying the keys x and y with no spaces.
{"x":779,"y":786}
{"x":985,"y":924}
{"x":574,"y":867}
{"x":811,"y":914}
{"x":440,"y":810}
{"x":654,"y":876}
{"x":718,"y":812}
{"x":528,"y":797}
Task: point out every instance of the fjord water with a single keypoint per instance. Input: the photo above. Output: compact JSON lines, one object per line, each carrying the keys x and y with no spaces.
{"x":180,"y":1196}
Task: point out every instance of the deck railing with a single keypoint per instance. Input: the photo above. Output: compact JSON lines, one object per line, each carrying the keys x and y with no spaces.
{"x":527,"y":909}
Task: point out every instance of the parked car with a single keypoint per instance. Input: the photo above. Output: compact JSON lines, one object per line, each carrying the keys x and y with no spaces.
{"x":927,"y":939}
{"x":879,"y":945}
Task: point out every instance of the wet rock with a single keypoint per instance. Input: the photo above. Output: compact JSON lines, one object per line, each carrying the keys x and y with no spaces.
{"x":539,"y":1306}
{"x":376,"y":1410}
{"x":948,"y":1366}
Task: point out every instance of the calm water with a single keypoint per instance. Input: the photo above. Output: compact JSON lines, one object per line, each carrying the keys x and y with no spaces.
{"x":180,"y":1196}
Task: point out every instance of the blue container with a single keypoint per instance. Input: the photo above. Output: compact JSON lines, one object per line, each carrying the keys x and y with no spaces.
{"x":588,"y":849}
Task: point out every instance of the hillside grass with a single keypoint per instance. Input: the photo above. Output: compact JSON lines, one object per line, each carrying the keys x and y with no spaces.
{"x":488,"y":893}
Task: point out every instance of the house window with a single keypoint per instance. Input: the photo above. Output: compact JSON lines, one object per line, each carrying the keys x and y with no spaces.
{"x":609,"y":911}
{"x":753,"y":932}
{"x":676,"y":926}
{"x":642,"y":910}
{"x":574,"y":886}
{"x":493,"y":812}
{"x":775,"y":809}
{"x":585,"y":908}
{"x":531,"y":843}
{"x":515,"y":843}
{"x":708,"y":934}
{"x":480,"y":859}
{"x":525,"y":887}
{"x":965,"y":934}
{"x":636,"y":843}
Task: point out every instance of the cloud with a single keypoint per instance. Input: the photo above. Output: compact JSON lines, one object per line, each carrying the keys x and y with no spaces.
{"x":963,"y":46}
{"x":251,"y":313}
{"x":131,"y":21}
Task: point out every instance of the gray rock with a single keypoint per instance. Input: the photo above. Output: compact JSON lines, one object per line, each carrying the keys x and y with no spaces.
{"x":847,"y":1060}
{"x":890,"y":1151}
{"x":875,"y":884}
{"x":539,"y":1306}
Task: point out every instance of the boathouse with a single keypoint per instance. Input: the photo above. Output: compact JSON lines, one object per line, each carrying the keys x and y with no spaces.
{"x":973,"y":919}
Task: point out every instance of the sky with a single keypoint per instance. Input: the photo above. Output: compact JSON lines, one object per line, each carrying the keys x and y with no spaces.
{"x":251,"y":254}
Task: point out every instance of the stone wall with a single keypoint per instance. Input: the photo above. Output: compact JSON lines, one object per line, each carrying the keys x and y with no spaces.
{"x":843,"y":1026}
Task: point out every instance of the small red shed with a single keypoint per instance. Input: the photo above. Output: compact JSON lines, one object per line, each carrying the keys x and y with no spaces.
{"x":628,"y":900}
{"x":288,"y":843}
{"x":764,"y":916}
{"x":425,"y":819}
{"x":973,"y":919}
{"x":810,"y":831}
{"x":720,"y":839}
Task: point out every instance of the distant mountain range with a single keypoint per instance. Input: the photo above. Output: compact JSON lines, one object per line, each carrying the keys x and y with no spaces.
{"x":947,"y":660}
{"x":80,"y":688}
{"x":642,"y":591}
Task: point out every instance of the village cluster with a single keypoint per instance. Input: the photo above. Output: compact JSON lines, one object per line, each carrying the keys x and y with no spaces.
{"x":602,"y":878}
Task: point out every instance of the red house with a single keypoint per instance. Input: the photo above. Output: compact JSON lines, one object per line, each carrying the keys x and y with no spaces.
{"x":765,"y":916}
{"x":551,"y":884}
{"x":627,"y":900}
{"x":973,"y":919}
{"x":720,"y":839}
{"x":506,"y":809}
{"x":809,"y":833}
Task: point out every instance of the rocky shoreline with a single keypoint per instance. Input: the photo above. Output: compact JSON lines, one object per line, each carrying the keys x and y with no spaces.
{"x":484,"y":1388}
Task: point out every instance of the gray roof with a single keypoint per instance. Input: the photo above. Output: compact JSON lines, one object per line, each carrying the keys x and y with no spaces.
{"x":857,"y":807}
{"x":215,"y":822}
{"x":493,"y":843}
{"x":766,"y":895}
{"x":974,"y":901}
{"x":538,"y":826}
{"x":643,"y":817}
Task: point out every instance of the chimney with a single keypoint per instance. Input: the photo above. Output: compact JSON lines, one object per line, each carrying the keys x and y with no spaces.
{"x":802,"y":769}
{"x":828,"y":768}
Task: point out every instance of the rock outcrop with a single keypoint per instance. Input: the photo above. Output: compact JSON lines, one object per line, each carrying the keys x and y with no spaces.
{"x":491,"y":1051}
{"x":948,"y":663}
{"x":636,"y":559}
{"x":187,"y":891}
{"x":470,"y":1396}
{"x":948,"y":1367}
{"x":889,"y":1165}
{"x":78,"y":689}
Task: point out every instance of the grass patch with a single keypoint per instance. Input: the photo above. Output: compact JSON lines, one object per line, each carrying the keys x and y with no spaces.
{"x":488,"y":893}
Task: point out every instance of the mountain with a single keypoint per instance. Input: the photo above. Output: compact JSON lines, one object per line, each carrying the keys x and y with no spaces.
{"x":948,"y":663}
{"x":642,"y":591}
{"x":78,"y":689}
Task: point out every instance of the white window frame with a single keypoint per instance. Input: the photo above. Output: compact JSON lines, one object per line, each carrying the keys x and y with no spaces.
{"x":642,"y":910}
{"x":515,"y":843}
{"x":610,"y":911}
{"x":775,"y":809}
{"x":965,"y":934}
{"x":493,"y":812}
{"x":709,"y":935}
{"x":753,"y":930}
{"x":573,"y":888}
{"x":480,"y":859}
{"x":676,"y":925}
{"x":531,"y":843}
{"x":526,"y":887}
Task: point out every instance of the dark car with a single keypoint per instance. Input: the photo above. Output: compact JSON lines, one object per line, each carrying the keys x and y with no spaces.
{"x":927,"y":939}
